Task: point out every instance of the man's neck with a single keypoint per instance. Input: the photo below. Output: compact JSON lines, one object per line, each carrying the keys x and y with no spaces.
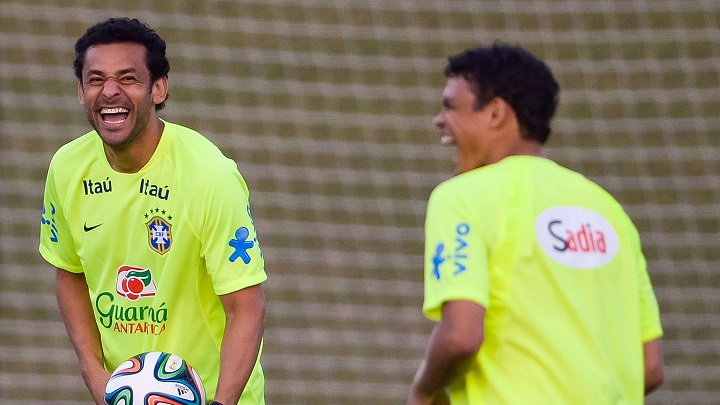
{"x":518,"y":147}
{"x":134,"y":156}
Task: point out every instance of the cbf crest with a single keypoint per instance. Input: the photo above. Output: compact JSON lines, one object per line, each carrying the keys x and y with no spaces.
{"x":159,"y":234}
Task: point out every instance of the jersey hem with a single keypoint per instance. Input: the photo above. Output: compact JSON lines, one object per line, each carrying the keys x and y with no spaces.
{"x":434,"y":311}
{"x":244,"y":282}
{"x":55,"y":261}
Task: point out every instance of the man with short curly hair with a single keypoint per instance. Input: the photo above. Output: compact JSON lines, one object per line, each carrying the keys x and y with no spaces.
{"x":149,"y":226}
{"x":534,"y":273}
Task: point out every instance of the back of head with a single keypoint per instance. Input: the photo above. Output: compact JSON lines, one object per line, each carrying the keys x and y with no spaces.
{"x":118,"y":30}
{"x":514,"y":75}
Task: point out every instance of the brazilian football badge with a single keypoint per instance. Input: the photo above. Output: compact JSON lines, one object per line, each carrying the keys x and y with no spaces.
{"x":159,"y":232}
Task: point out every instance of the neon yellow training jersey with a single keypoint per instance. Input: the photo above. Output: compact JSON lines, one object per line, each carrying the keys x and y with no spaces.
{"x":157,"y":247}
{"x":558,"y":267}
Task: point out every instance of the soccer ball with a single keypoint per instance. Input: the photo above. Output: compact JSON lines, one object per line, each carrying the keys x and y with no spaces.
{"x":155,"y":378}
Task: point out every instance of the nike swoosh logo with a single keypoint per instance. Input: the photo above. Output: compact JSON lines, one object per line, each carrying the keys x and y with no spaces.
{"x":89,"y":228}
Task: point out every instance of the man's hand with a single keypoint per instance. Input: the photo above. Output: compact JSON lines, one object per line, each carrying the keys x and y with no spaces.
{"x":439,"y":398}
{"x":96,"y":382}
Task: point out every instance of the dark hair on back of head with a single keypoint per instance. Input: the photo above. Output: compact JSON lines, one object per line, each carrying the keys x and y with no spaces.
{"x":117,"y":30}
{"x":514,"y":75}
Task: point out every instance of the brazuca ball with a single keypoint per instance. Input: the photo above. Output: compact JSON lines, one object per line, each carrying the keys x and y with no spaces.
{"x":155,"y":378}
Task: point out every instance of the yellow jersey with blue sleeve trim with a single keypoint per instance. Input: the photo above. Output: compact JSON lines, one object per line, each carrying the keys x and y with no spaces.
{"x":156,"y":247}
{"x":557,"y":265}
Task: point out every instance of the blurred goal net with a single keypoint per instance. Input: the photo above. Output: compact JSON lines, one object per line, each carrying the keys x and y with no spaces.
{"x":327,"y":108}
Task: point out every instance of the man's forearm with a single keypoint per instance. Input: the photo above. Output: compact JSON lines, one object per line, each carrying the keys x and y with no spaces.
{"x":654,"y":374}
{"x":245,"y":311}
{"x":440,"y":365}
{"x":77,"y":314}
{"x":453,"y":345}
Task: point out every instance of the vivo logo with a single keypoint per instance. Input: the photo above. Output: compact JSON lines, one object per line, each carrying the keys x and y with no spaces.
{"x":576,"y":237}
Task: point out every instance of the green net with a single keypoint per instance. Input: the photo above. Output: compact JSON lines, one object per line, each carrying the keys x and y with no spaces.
{"x":327,"y":108}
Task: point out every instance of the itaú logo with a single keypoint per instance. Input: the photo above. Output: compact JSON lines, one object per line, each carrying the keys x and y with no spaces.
{"x":576,"y":237}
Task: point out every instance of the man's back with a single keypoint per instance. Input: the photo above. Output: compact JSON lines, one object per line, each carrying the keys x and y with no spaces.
{"x":557,"y":265}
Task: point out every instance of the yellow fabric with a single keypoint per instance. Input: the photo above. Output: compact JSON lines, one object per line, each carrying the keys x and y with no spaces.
{"x":157,"y":247}
{"x":558,"y":266}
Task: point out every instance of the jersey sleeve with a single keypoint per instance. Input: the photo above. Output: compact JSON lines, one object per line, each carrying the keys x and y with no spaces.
{"x":650,"y":324}
{"x":230,"y":245}
{"x":57,"y":246}
{"x":456,"y":253}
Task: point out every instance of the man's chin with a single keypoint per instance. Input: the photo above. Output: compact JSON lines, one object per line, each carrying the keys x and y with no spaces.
{"x":113,"y":139}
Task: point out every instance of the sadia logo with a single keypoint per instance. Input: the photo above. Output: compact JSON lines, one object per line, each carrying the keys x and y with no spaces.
{"x":576,"y":237}
{"x":135,"y":282}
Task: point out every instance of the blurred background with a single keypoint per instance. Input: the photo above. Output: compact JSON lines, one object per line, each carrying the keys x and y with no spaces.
{"x":327,"y":107}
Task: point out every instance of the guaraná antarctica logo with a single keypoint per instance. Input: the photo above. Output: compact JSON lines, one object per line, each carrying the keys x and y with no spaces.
{"x":132,"y":283}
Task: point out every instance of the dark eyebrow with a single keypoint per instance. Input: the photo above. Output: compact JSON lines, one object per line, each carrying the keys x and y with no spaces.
{"x":128,"y":70}
{"x":121,"y":72}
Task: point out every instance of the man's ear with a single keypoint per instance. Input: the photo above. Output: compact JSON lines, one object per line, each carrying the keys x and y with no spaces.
{"x":160,"y":90}
{"x":500,"y":112}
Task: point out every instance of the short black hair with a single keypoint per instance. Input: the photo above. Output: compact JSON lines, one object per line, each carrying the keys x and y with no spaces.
{"x":116,"y":30}
{"x":514,"y":75}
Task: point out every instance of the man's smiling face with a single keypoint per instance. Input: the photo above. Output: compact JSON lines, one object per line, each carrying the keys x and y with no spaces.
{"x":464,"y":125}
{"x":117,"y":92}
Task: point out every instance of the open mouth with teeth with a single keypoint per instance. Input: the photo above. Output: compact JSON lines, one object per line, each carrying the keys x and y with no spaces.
{"x":446,"y":139}
{"x":116,"y":115}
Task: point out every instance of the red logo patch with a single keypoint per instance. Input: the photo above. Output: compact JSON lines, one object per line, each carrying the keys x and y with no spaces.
{"x":135,"y":282}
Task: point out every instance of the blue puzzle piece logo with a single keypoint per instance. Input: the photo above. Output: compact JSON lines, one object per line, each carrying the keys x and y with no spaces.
{"x":241,"y":245}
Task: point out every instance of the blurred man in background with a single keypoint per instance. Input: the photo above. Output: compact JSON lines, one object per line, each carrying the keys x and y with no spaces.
{"x":535,"y":273}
